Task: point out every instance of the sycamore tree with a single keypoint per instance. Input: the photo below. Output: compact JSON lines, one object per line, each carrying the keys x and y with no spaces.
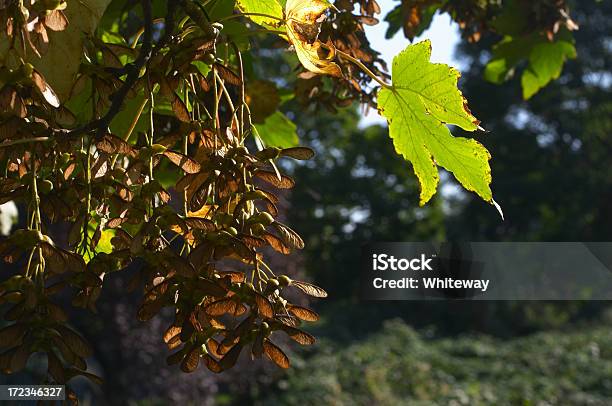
{"x":144,"y":127}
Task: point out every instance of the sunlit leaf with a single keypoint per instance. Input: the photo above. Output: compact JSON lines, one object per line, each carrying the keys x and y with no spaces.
{"x":289,"y":236}
{"x":309,"y":289}
{"x":263,"y":306}
{"x":182,"y":161}
{"x":300,"y":153}
{"x":269,"y":7}
{"x":45,"y":89}
{"x":191,"y":360}
{"x":285,"y":182}
{"x":277,"y":131}
{"x":276,"y":243}
{"x":303,"y":313}
{"x":299,"y":336}
{"x":180,"y":109}
{"x":423,"y":99}
{"x":230,"y":358}
{"x":276,"y":354}
{"x":202,"y":67}
{"x":303,"y":20}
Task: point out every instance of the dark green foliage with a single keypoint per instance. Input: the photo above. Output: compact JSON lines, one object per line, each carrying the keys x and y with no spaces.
{"x":399,"y":366}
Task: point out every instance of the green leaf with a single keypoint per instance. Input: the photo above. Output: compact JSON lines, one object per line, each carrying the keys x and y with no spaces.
{"x":269,"y":7}
{"x":105,"y":245}
{"x":131,"y":111}
{"x":60,"y":63}
{"x":546,"y":61}
{"x":80,"y":101}
{"x":506,"y":55}
{"x":277,"y":131}
{"x":202,"y":67}
{"x":424,"y":98}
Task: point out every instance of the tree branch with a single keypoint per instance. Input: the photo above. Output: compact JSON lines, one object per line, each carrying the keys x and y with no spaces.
{"x":169,"y":24}
{"x":133,"y":71}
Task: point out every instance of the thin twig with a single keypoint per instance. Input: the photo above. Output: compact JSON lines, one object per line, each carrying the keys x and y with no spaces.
{"x":364,"y":68}
{"x":133,"y":72}
{"x":242,"y":89}
{"x":237,"y":15}
{"x":23,"y":141}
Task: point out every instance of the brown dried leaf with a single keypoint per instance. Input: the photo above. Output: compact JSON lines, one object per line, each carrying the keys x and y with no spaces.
{"x":264,"y":307}
{"x":182,"y":161}
{"x":301,"y":153}
{"x":121,"y":240}
{"x":45,"y":89}
{"x":367,"y":20}
{"x":68,"y":355}
{"x":68,"y":171}
{"x":11,"y":102}
{"x":253,"y":242}
{"x":285,"y":182}
{"x":149,"y":309}
{"x":299,"y":336}
{"x":177,"y":357}
{"x":171,"y":332}
{"x":289,"y":236}
{"x":227,"y":74}
{"x":116,"y":222}
{"x":230,"y":358}
{"x":220,"y":307}
{"x":75,"y":342}
{"x":200,"y":223}
{"x":212,"y":364}
{"x":192,"y":360}
{"x":303,"y":313}
{"x":290,"y":321}
{"x":204,"y":84}
{"x":112,"y":144}
{"x":164,"y":196}
{"x":213,"y":347}
{"x":309,"y":289}
{"x":235,"y":276}
{"x":276,"y":243}
{"x":180,"y":109}
{"x":56,"y":20}
{"x":275,"y":354}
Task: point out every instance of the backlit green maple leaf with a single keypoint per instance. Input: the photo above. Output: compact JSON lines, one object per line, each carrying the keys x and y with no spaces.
{"x":269,"y":7}
{"x":421,"y":101}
